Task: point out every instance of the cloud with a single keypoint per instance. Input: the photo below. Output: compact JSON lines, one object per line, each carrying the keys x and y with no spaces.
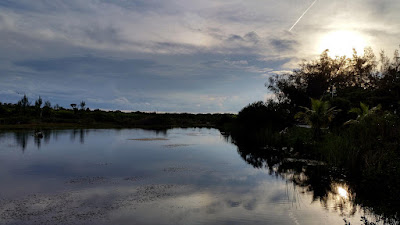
{"x":283,"y":45}
{"x":249,"y":38}
{"x":92,"y":64}
{"x":235,"y":37}
{"x":146,"y":51}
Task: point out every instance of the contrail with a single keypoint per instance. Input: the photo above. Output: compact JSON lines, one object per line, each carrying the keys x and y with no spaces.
{"x":303,"y":15}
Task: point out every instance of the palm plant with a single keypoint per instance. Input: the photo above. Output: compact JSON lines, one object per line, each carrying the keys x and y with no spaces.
{"x":363,"y":112}
{"x":318,"y":116}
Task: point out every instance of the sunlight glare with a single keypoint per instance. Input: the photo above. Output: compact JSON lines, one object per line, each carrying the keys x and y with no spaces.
{"x":342,"y":42}
{"x":342,"y":192}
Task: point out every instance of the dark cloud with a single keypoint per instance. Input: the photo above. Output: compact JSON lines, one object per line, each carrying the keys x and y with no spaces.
{"x":43,"y":6}
{"x":235,"y":37}
{"x":250,"y":37}
{"x":144,"y":6}
{"x":10,"y":4}
{"x":88,"y":64}
{"x":175,"y":48}
{"x":283,"y":45}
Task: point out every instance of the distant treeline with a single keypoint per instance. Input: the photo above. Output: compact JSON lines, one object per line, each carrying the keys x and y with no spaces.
{"x":24,"y":114}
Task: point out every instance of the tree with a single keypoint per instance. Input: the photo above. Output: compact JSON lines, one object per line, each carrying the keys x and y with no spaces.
{"x":312,"y":80}
{"x":74,"y":108}
{"x":47,"y":104}
{"x":360,"y":70}
{"x":318,"y":78}
{"x":265,"y":114}
{"x":47,"y":109}
{"x":82,"y":105}
{"x":38,"y":105}
{"x":56,"y":107}
{"x":387,"y":85}
{"x":318,"y":116}
{"x":24,"y":102}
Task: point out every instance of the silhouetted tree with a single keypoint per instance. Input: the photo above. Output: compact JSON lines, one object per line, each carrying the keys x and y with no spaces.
{"x":56,"y":107}
{"x":82,"y":104}
{"x":38,"y":105}
{"x":47,"y":109}
{"x":74,"y":107}
{"x":265,"y":114}
{"x":387,"y":85}
{"x":319,"y":78}
{"x":47,"y":104}
{"x":362,"y":69}
{"x":24,"y":102}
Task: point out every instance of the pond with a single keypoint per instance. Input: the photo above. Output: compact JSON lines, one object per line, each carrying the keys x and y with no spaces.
{"x":177,"y":176}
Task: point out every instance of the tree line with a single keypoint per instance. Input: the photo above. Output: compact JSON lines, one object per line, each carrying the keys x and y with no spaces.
{"x":24,"y":114}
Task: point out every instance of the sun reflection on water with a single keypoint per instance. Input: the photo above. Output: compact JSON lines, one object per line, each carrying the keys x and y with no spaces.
{"x":342,"y":192}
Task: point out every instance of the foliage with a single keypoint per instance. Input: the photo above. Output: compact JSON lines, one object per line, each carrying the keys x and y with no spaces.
{"x":363,"y":112}
{"x":318,"y":116}
{"x":82,"y":105}
{"x":270,"y":114}
{"x":23,"y":103}
{"x":325,"y":77}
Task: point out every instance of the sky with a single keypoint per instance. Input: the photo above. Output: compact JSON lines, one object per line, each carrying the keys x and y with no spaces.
{"x":175,"y":55}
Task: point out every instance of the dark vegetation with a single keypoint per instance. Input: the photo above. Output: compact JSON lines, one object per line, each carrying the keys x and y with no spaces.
{"x":24,"y":114}
{"x":343,"y":111}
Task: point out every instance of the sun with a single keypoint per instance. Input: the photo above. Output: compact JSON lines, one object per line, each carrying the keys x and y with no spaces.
{"x":342,"y":43}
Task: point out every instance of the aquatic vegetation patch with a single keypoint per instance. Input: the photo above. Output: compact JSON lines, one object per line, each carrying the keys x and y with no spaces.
{"x":79,"y":207}
{"x":88,"y":180}
{"x":134,"y":178}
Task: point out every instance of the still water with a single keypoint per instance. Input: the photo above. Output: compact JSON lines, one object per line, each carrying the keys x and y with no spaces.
{"x":135,"y":176}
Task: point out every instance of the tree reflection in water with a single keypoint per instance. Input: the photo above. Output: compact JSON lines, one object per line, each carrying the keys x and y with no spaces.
{"x":334,"y":188}
{"x":23,"y":138}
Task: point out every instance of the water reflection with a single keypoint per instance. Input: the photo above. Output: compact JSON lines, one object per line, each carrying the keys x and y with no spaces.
{"x":331,"y":187}
{"x":184,"y":176}
{"x":333,"y":193}
{"x":342,"y":193}
{"x":22,"y":138}
{"x":25,"y":137}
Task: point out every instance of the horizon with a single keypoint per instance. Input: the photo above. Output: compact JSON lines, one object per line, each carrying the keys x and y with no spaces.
{"x":176,"y":56}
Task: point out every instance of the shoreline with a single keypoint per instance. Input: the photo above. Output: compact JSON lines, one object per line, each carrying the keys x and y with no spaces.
{"x":35,"y":126}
